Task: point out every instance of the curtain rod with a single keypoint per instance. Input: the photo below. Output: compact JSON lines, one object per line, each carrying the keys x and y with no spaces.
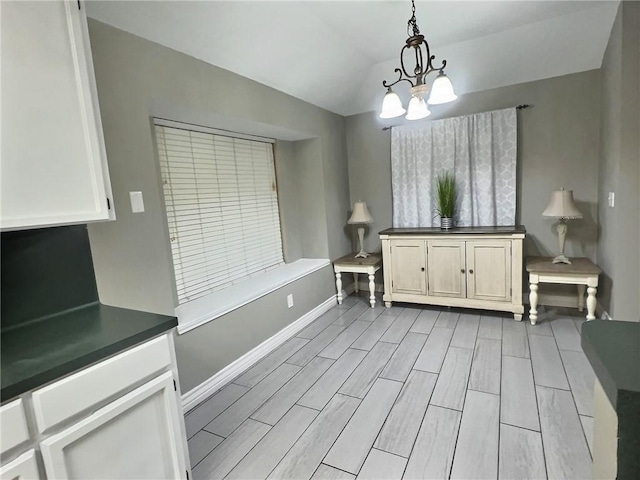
{"x":519,"y":107}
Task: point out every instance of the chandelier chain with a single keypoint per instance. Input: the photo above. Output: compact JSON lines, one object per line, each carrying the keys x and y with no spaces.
{"x":412,"y":24}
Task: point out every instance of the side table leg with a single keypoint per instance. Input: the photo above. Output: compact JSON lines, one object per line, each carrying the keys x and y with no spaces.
{"x":591,"y":303}
{"x":581,"y":297}
{"x":372,"y":290}
{"x":339,"y":287}
{"x":355,"y":283}
{"x":533,"y":301}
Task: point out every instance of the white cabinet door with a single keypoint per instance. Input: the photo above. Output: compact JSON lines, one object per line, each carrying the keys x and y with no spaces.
{"x":53,"y":159}
{"x":489,"y":270}
{"x":408,"y":264}
{"x":135,"y":437}
{"x":22,"y":468}
{"x":446,"y":261}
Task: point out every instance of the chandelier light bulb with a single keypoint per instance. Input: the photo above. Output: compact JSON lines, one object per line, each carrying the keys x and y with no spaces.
{"x":442,"y":90}
{"x":417,"y":109}
{"x":392,"y":105}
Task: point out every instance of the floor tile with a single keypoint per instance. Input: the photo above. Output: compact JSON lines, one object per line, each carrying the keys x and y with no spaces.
{"x":272,"y":361}
{"x":466,"y":331}
{"x":581,"y":380}
{"x":275,"y":408}
{"x":540,"y":328}
{"x":340,"y":345}
{"x":486,"y":366}
{"x":351,"y":315}
{"x":447,"y":319}
{"x":352,"y":446}
{"x":587,"y":426}
{"x":315,"y":346}
{"x":382,"y":466}
{"x":201,"y":445}
{"x":232,"y":417}
{"x":434,"y":350}
{"x":211,"y":408}
{"x":432,"y":453}
{"x":326,"y":387}
{"x":225,"y":456}
{"x":452,"y":382}
{"x":477,"y":447}
{"x":318,"y":325}
{"x":566,"y":333}
{"x":548,"y":370}
{"x":521,"y":455}
{"x":325,"y":472}
{"x":268,"y":452}
{"x":365,"y":374}
{"x":514,"y":338}
{"x":306,"y":454}
{"x":402,"y":425}
{"x":490,"y":327}
{"x":394,"y":311}
{"x":404,"y":357}
{"x":401,"y":326}
{"x":370,"y":314}
{"x":370,"y":337}
{"x":565,"y":447}
{"x":518,"y":404}
{"x":425,"y":321}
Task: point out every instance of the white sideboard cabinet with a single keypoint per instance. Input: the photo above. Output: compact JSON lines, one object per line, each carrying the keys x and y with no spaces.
{"x":52,"y":158}
{"x":474,"y":267}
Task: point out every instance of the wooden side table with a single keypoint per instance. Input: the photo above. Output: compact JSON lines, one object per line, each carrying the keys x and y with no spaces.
{"x":349,"y":263}
{"x":581,"y":272}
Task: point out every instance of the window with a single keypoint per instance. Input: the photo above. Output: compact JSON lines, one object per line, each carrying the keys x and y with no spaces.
{"x":222,"y":207}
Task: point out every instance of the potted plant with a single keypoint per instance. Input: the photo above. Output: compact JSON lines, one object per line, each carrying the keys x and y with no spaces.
{"x":446,"y":198}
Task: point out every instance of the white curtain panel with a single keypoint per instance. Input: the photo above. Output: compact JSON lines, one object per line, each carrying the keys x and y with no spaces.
{"x":479,"y":149}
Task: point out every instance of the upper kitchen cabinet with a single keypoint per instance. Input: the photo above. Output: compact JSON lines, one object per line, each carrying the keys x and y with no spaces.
{"x":53,"y":162}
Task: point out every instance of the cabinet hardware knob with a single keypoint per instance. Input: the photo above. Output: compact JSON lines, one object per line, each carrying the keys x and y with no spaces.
{"x":471,"y":272}
{"x":422,"y":269}
{"x":462,"y":270}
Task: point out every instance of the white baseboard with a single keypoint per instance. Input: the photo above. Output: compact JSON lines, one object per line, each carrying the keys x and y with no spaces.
{"x":197,"y":395}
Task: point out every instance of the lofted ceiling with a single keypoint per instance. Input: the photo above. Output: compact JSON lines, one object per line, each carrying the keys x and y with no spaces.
{"x":335,"y":54}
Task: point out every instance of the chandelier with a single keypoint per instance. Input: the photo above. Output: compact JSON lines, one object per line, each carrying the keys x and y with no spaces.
{"x":441,"y":91}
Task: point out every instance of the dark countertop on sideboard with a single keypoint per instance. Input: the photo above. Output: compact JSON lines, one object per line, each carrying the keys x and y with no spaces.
{"x":505,"y":230}
{"x":613,"y":349}
{"x":39,"y":352}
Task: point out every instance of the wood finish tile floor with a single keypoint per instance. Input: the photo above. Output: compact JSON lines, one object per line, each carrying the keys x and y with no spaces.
{"x":406,"y":392}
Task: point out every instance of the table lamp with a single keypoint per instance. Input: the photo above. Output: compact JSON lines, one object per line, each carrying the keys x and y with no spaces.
{"x":562,"y":206}
{"x":360,"y":216}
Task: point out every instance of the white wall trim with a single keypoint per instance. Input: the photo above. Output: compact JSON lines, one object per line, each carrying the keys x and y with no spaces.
{"x":197,"y":395}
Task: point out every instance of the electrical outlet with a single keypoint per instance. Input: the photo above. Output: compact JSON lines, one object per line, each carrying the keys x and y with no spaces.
{"x":612,"y":199}
{"x":290,"y":300}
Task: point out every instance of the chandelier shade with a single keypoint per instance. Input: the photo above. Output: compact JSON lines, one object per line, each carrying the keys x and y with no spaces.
{"x":417,"y":49}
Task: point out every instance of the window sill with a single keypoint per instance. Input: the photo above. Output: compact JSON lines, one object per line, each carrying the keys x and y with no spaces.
{"x":203,"y":310}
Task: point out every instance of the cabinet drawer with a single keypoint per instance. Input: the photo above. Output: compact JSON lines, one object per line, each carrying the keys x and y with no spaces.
{"x":90,"y":387}
{"x":24,"y":467}
{"x":14,"y":425}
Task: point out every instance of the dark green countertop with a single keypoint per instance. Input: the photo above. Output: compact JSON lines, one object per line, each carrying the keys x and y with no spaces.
{"x":507,"y":230}
{"x":42,"y":351}
{"x":613,"y":349}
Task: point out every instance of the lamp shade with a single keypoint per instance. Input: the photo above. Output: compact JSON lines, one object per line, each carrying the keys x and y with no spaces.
{"x":360,"y":214}
{"x":417,"y":109}
{"x":441,"y":90}
{"x":391,"y":105}
{"x":561,"y":205}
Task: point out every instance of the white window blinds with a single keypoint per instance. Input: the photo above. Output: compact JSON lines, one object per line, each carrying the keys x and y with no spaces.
{"x":222,"y":208}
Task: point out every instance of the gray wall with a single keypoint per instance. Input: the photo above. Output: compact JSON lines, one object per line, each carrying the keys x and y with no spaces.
{"x":558,"y":146}
{"x":138,"y":79}
{"x":619,"y":170}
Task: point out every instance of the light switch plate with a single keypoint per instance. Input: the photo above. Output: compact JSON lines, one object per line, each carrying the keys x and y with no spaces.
{"x":137,"y":202}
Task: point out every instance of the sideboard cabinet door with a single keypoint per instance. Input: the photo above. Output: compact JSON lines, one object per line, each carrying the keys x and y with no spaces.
{"x":136,"y":436}
{"x":24,"y":467}
{"x":53,"y":158}
{"x":446,"y":264}
{"x":489,"y":270}
{"x":408,"y":267}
